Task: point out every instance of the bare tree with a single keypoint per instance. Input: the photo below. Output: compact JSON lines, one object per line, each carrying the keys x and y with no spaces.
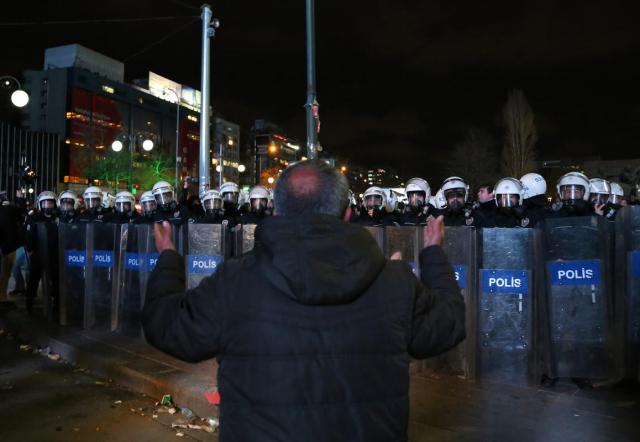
{"x":520,"y":137}
{"x":477,"y":152}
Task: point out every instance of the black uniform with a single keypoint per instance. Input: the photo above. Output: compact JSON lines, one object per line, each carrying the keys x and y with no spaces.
{"x":41,"y":256}
{"x":97,"y":215}
{"x":253,"y":217}
{"x":379,"y":218}
{"x":178,"y":216}
{"x":413,"y":216}
{"x":211,"y":218}
{"x":457,"y":218}
{"x":125,"y":218}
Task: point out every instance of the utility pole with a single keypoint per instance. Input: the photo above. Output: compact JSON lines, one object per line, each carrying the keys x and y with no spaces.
{"x":209,"y":27}
{"x":312,"y":106}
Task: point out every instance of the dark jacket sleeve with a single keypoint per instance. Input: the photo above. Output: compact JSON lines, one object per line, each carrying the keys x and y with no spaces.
{"x":438,"y":322}
{"x":186,"y":325}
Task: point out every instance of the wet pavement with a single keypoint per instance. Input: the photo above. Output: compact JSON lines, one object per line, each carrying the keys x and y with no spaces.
{"x":46,"y":399}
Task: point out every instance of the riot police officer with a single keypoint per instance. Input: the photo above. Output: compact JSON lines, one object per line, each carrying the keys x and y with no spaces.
{"x":213,"y":211}
{"x":373,"y":213}
{"x":534,"y":190}
{"x":573,"y":194}
{"x":230,"y":193}
{"x":149,"y":207}
{"x":458,"y":212}
{"x":417,"y":210}
{"x":599,"y":191}
{"x":40,"y":257}
{"x":125,"y":205}
{"x":94,"y":211}
{"x":614,"y":203}
{"x":168,"y":208}
{"x":259,"y":206}
{"x":68,"y":207}
{"x":510,"y":212}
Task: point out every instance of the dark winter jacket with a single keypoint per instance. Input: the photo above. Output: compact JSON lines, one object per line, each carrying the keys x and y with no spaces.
{"x":313,"y":330}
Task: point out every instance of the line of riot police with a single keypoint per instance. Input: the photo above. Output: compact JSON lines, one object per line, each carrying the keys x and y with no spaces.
{"x":511,"y":202}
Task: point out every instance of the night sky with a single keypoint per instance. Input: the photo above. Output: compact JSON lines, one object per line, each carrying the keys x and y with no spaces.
{"x":399,"y":82}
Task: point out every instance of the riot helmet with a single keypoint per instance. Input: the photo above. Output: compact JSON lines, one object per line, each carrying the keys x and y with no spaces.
{"x":164,"y":194}
{"x":68,"y":203}
{"x":373,"y":198}
{"x":212,"y":202}
{"x":92,"y":197}
{"x":230,"y":191}
{"x":508,"y":193}
{"x":533,"y":184}
{"x":616,"y":195}
{"x":418,"y":193}
{"x":599,"y":190}
{"x":148,"y":204}
{"x":47,"y":202}
{"x":456,"y":192}
{"x":259,"y":199}
{"x":125,"y":203}
{"x":573,"y":189}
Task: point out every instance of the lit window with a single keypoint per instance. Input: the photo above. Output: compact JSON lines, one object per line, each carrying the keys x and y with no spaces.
{"x":108,"y":89}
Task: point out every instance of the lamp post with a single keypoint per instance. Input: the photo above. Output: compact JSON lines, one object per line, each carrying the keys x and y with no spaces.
{"x":177,"y":182}
{"x":19,"y":98}
{"x":312,"y":106}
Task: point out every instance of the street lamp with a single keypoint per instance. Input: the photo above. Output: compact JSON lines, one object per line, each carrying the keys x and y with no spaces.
{"x":19,"y":98}
{"x":118,"y":144}
{"x":241,"y":168}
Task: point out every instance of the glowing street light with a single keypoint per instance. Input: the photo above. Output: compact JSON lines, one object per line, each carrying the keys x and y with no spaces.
{"x":147,"y":145}
{"x":241,"y":168}
{"x":117,"y":146}
{"x":19,"y":98}
{"x":270,"y":180}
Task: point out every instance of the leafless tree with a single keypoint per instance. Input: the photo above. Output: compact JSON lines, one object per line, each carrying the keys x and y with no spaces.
{"x":520,"y":136}
{"x":477,"y":161}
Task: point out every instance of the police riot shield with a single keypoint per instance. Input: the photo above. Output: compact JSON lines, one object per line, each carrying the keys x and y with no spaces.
{"x":207,"y":246}
{"x":127,"y":289}
{"x":578,"y":295}
{"x":45,"y":258}
{"x":244,"y":237}
{"x":148,"y":253}
{"x":72,"y":247}
{"x":505,"y":307}
{"x":461,"y":249}
{"x":378,"y":235}
{"x":408,"y":241}
{"x":627,"y":287}
{"x":99,"y":279}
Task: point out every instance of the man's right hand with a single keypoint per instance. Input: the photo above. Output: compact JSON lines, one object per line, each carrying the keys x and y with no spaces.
{"x":433,"y":232}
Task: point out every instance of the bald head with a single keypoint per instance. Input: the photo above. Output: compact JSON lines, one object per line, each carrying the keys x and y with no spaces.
{"x":311,"y":187}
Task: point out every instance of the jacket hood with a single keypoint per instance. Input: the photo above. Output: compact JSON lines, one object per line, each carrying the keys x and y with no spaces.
{"x":319,"y":260}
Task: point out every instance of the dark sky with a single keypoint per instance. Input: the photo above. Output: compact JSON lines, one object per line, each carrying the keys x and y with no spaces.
{"x":399,"y":82}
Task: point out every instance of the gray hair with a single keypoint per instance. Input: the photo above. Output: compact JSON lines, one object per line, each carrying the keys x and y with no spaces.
{"x":311,"y":186}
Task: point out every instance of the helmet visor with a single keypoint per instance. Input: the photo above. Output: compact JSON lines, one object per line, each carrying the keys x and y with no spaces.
{"x":373,"y":201}
{"x":507,"y":200}
{"x":47,"y":204}
{"x":598,"y":199}
{"x":230,"y":196}
{"x":123,"y":207}
{"x":149,"y":206}
{"x":212,"y":204}
{"x":615,"y":199}
{"x":92,"y":202}
{"x":571,"y":192}
{"x":165,"y":197}
{"x":67,"y":204}
{"x":453,"y":195}
{"x":416,"y":199}
{"x":258,"y":204}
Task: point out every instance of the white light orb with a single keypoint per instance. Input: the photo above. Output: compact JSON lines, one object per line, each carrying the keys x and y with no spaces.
{"x":20,"y":98}
{"x":147,"y":145}
{"x":117,"y":146}
{"x":241,"y":168}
